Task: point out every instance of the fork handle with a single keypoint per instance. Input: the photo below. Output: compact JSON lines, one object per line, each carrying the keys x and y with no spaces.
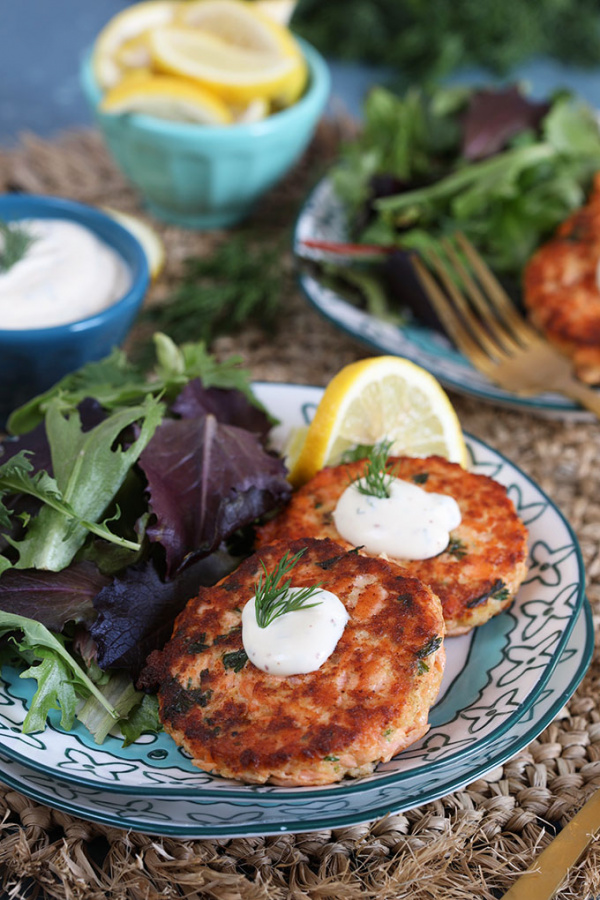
{"x":585,"y":395}
{"x":548,"y":871}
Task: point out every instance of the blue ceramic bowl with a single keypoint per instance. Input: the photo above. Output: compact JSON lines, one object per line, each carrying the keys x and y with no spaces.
{"x":33,"y":359}
{"x":207,"y":176}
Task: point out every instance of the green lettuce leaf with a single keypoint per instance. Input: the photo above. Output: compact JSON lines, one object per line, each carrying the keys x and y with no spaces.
{"x":88,"y":471}
{"x":59,"y":676}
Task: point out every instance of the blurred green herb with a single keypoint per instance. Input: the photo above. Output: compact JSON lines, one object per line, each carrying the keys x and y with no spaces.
{"x":220,"y":293}
{"x":426,"y":40}
{"x":507,"y":203}
{"x":15,"y":241}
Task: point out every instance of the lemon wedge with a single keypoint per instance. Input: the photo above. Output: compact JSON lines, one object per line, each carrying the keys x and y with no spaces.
{"x":382,"y":398}
{"x":150,"y":240}
{"x":119,"y":40}
{"x":166,"y":98}
{"x":249,"y":26}
{"x":233,"y":48}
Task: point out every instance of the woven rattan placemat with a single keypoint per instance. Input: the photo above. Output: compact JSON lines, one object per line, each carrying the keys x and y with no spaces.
{"x":472,"y":843}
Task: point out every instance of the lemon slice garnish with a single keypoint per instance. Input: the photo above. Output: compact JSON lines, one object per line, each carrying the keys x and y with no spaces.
{"x":151,"y":242}
{"x":382,"y":398}
{"x":117,"y":40}
{"x":166,"y":98}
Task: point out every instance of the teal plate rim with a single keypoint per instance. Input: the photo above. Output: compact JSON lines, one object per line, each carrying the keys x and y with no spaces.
{"x":405,"y":803}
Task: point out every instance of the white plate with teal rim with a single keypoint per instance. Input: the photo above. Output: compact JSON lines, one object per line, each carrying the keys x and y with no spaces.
{"x":209,"y":817}
{"x":494,"y":676}
{"x":323,"y":218}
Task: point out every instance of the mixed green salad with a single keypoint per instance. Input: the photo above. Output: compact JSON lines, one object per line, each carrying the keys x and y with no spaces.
{"x":121,"y":494}
{"x":504,"y":169}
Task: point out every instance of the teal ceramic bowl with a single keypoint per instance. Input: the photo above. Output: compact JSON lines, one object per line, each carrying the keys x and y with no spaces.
{"x":33,"y":359}
{"x":206,"y":176}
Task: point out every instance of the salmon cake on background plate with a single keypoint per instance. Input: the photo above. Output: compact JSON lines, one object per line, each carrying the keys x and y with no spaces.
{"x":369,"y":699}
{"x":477,"y":565}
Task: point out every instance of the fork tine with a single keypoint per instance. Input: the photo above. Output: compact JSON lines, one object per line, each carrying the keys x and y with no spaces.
{"x":486,"y":338}
{"x":496,"y":293}
{"x":450,"y":320}
{"x":497,"y":326}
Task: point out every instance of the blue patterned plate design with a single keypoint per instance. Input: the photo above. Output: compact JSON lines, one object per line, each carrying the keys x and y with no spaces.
{"x":323,"y":218}
{"x":494,"y":676}
{"x":204,"y":817}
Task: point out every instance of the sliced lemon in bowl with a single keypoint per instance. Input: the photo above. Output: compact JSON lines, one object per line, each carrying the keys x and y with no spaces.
{"x":376,"y":399}
{"x":253,"y":26}
{"x":166,"y":97}
{"x":120,"y":36}
{"x":236,"y":74}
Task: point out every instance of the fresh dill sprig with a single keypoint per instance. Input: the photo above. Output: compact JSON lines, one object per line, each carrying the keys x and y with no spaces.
{"x":377,"y":478}
{"x":272,"y":595}
{"x":241,"y":281}
{"x":16,"y":241}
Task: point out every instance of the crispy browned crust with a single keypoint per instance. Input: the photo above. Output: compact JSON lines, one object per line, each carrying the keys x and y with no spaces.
{"x":369,"y":700}
{"x":560,"y":288}
{"x":472,"y":587}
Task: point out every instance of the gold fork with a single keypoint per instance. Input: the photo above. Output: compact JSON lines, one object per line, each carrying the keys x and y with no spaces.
{"x":489,"y":330}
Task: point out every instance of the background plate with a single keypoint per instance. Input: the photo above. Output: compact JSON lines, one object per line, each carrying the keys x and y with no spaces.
{"x":323,"y":218}
{"x":493,"y":679}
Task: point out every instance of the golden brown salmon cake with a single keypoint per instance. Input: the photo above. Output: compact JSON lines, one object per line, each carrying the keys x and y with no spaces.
{"x":478,"y":573}
{"x":560,"y":288}
{"x":370,"y":698}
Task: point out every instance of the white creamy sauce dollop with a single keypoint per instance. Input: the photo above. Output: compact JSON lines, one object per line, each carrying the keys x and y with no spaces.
{"x":296,"y":642}
{"x":409,"y":524}
{"x":66,"y":274}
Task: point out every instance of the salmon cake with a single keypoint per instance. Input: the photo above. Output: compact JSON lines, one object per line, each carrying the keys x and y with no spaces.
{"x":480,"y":569}
{"x":560,"y":288}
{"x":368,"y":700}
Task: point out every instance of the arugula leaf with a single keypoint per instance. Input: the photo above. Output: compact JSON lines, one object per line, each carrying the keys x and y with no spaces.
{"x":58,"y":670}
{"x":116,"y":383}
{"x":54,"y":691}
{"x":88,"y":472}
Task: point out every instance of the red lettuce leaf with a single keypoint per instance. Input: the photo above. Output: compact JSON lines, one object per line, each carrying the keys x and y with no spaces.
{"x":205,"y":481}
{"x":229,"y":406}
{"x":494,"y":117}
{"x":135,"y":613}
{"x":53,"y":598}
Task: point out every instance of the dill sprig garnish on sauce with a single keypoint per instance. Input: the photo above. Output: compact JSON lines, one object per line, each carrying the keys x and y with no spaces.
{"x":15,"y":242}
{"x":273,"y":596}
{"x":377,"y":478}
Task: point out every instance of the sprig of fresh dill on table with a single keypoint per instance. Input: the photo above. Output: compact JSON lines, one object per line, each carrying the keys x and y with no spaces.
{"x":218,"y":294}
{"x":15,"y":241}
{"x":272,"y":595}
{"x":377,"y":477}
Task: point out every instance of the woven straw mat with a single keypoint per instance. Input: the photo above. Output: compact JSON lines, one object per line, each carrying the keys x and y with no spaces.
{"x":472,"y":843}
